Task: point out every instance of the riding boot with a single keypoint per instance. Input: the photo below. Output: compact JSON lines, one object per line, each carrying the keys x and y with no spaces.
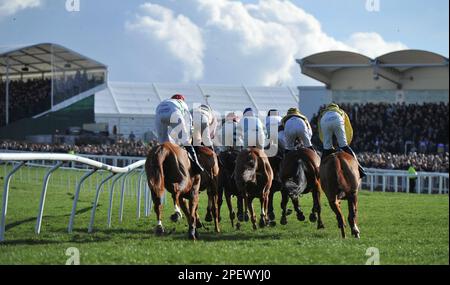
{"x":193,"y":156}
{"x":362,"y":172}
{"x":326,"y":152}
{"x":312,"y":148}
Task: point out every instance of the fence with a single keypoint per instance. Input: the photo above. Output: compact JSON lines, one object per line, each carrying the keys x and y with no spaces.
{"x":114,"y":174}
{"x":401,"y":181}
{"x":112,"y":169}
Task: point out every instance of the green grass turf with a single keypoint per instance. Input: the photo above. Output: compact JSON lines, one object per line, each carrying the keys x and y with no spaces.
{"x":406,"y":228}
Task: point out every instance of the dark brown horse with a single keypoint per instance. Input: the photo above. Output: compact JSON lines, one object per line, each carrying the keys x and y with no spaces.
{"x":168,"y":167}
{"x":275,"y":163}
{"x":253,"y":176}
{"x":209,"y":181}
{"x":300,"y":175}
{"x":340,"y":181}
{"x":227,"y":185}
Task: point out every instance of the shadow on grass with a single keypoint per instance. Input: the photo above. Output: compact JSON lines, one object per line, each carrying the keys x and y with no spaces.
{"x":29,"y":242}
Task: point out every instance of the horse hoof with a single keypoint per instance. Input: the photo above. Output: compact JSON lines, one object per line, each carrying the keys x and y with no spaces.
{"x":159,"y":230}
{"x":197,"y":235}
{"x":198,"y":224}
{"x":191,"y":234}
{"x":301,"y":217}
{"x":246,"y":217}
{"x":320,"y":226}
{"x":262,"y":223}
{"x":312,"y":218}
{"x":357,"y":235}
{"x":272,"y":216}
{"x":255,"y":227}
{"x":240,"y":217}
{"x":272,"y":223}
{"x":238,"y":226}
{"x":175,"y":217}
{"x":283,"y":220}
{"x":288,"y":212}
{"x":208,"y":217}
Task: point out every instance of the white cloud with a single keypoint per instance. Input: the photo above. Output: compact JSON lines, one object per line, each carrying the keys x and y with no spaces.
{"x":231,"y":42}
{"x":176,"y":33}
{"x":372,"y":44}
{"x":10,"y":7}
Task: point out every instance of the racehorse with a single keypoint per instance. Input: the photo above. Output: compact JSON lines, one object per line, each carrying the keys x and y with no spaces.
{"x":275,"y":163}
{"x":253,"y":176}
{"x":210,"y":180}
{"x":300,"y":175}
{"x":340,"y":180}
{"x":168,"y":167}
{"x":227,"y":186}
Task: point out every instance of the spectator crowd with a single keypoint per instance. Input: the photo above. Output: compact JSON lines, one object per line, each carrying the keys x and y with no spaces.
{"x":31,"y":97}
{"x":120,"y":148}
{"x":381,"y":133}
{"x":389,"y":128}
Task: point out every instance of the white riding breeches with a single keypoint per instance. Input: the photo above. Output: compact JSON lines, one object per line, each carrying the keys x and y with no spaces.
{"x":332,"y":123}
{"x":171,"y":126}
{"x":253,"y":132}
{"x":296,"y":128}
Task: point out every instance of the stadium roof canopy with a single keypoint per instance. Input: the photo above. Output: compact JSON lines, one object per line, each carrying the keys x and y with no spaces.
{"x":44,"y":58}
{"x":121,"y":98}
{"x":397,"y":67}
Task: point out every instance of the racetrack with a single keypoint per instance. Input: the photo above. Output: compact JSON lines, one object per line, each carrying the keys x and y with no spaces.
{"x":406,"y":228}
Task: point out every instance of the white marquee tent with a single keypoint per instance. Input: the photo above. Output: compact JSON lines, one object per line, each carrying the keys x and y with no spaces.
{"x":131,"y":106}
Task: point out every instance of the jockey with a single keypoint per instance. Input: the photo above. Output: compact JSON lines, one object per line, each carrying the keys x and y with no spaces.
{"x":253,"y":130}
{"x":334,"y":121}
{"x":171,"y":115}
{"x":296,"y":127}
{"x":273,"y":119}
{"x":229,"y":134}
{"x":205,"y":124}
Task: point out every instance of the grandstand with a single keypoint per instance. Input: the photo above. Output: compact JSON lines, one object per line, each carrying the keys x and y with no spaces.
{"x":46,"y":87}
{"x":406,"y":76}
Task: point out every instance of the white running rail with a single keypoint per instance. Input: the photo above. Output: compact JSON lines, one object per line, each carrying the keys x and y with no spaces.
{"x":116,"y":172}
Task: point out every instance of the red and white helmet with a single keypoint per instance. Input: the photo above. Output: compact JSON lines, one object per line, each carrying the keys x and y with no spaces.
{"x":178,"y":97}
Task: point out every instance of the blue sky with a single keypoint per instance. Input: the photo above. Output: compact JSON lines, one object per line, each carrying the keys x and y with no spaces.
{"x":218,"y":41}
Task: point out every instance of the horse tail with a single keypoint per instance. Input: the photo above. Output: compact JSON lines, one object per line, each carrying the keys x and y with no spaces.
{"x":154,"y":169}
{"x":341,"y":174}
{"x":350,"y":177}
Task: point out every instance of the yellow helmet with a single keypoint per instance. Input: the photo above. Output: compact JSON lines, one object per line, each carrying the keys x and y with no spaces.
{"x":293,"y":111}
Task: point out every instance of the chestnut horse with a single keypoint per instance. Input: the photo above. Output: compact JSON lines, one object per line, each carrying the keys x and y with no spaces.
{"x":300,"y":175}
{"x":253,"y":176}
{"x":168,"y":167}
{"x":340,"y":180}
{"x":210,"y":180}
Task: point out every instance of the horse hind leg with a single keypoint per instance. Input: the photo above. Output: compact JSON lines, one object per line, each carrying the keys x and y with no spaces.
{"x":249,"y":203}
{"x":230,"y":209}
{"x":262,"y":221}
{"x":284,"y":201}
{"x":157,"y":205}
{"x":298,"y":210}
{"x":352,"y":214}
{"x":336,"y":207}
{"x":317,"y":208}
{"x":270,"y":211}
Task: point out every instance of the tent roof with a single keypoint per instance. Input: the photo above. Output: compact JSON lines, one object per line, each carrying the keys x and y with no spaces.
{"x":123,"y":98}
{"x":39,"y":59}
